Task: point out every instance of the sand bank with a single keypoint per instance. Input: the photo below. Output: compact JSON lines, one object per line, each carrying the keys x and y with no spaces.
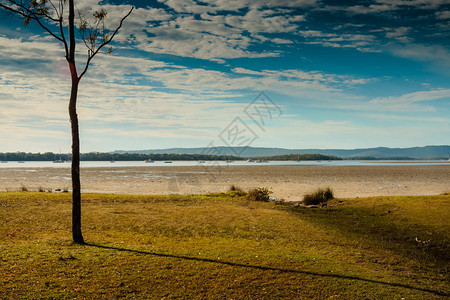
{"x":286,"y":182}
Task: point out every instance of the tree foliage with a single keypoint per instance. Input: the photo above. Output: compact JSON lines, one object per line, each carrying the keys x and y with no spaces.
{"x":53,"y":17}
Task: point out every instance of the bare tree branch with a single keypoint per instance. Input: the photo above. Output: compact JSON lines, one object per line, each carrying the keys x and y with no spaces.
{"x":94,"y":52}
{"x":63,"y":37}
{"x":55,"y":9}
{"x":49,"y":31}
{"x":28,"y":14}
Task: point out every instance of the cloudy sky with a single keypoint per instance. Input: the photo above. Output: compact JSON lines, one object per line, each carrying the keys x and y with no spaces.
{"x":188,"y":73}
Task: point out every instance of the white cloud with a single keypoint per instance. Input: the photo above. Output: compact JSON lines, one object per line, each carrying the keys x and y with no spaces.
{"x":399,"y":34}
{"x":424,"y":4}
{"x":304,"y":133}
{"x":212,"y":36}
{"x":246,"y":71}
{"x":421,"y":96}
{"x":407,"y":104}
{"x":140,"y":98}
{"x":438,"y":55}
{"x":214,"y":6}
{"x":190,"y":42}
{"x":281,"y":41}
{"x":34,"y":49}
{"x":187,"y":6}
{"x":398,"y":117}
{"x":258,"y":21}
{"x":360,"y":42}
{"x":380,"y":6}
{"x":443,"y":15}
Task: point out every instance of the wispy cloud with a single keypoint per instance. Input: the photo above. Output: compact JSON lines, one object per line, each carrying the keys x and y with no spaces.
{"x":443,"y":14}
{"x":415,"y":97}
{"x":213,"y":36}
{"x":438,"y":55}
{"x":381,"y":6}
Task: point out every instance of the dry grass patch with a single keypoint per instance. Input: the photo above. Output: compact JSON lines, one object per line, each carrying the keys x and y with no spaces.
{"x":320,"y":196}
{"x":210,"y":247}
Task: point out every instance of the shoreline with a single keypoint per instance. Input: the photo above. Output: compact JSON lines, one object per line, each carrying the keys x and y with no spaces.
{"x":288,"y":182}
{"x":222,"y":163}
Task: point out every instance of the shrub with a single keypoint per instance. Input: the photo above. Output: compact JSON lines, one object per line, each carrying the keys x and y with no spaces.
{"x":236,"y":191}
{"x":24,"y":188}
{"x":318,"y":197}
{"x":234,"y":188}
{"x":259,"y":194}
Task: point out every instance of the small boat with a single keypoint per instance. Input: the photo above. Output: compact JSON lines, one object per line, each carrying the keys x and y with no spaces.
{"x":168,"y":162}
{"x":58,"y":160}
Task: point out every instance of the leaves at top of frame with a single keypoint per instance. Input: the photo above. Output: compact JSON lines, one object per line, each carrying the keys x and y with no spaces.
{"x":94,"y":33}
{"x":100,"y":15}
{"x":39,"y":8}
{"x":27,"y":21}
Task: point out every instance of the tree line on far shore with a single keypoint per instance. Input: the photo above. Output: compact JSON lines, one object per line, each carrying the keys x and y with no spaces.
{"x":298,"y":157}
{"x":97,"y":156}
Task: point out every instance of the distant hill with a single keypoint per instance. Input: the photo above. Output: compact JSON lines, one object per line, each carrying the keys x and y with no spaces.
{"x":427,"y":152}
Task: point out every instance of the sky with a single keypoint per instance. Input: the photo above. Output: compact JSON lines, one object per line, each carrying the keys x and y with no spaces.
{"x":262,"y":73}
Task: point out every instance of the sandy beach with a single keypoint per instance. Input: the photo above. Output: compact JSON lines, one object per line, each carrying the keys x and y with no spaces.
{"x":287,"y":182}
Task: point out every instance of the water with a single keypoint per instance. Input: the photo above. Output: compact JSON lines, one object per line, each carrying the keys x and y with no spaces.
{"x":108,"y":164}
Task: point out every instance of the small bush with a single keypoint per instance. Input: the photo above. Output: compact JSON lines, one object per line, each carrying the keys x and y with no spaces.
{"x":236,"y":191}
{"x":234,"y":188}
{"x":259,"y":194}
{"x":41,"y":190}
{"x":24,"y":188}
{"x":318,"y":197}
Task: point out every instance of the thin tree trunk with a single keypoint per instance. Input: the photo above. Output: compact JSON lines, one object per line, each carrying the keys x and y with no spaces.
{"x":76,"y":184}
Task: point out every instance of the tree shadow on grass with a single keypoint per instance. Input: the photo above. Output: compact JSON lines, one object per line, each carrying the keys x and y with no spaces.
{"x":234,"y":264}
{"x":381,"y":229}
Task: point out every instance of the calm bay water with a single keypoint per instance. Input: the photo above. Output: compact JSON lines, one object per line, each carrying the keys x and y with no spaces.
{"x":108,"y":164}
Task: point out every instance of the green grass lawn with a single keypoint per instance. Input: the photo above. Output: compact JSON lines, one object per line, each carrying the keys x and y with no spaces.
{"x":223,"y":247}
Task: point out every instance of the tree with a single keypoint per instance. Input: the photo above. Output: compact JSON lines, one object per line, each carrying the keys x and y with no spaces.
{"x":52,"y":16}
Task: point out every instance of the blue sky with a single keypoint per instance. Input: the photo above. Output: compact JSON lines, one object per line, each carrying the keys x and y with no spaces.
{"x":336,"y":74}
